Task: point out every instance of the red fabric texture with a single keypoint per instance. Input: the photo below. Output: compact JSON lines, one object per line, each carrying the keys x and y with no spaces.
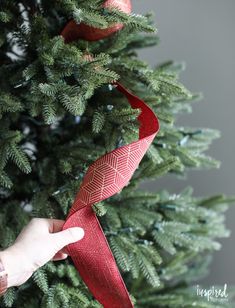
{"x":74,"y":31}
{"x":105,"y":177}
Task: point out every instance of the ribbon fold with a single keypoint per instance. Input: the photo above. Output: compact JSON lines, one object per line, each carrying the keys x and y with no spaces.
{"x":104,"y":178}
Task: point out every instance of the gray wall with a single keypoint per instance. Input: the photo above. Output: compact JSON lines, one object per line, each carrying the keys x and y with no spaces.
{"x":202,"y":33}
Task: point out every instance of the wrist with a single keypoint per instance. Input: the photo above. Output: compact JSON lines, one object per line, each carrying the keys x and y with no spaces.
{"x":3,"y":279}
{"x":14,"y":267}
{"x":8,"y":264}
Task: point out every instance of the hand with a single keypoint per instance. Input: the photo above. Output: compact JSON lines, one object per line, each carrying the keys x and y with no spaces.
{"x":40,"y":241}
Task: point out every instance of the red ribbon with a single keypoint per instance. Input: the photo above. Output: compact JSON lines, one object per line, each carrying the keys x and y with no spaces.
{"x":105,"y":177}
{"x":74,"y":31}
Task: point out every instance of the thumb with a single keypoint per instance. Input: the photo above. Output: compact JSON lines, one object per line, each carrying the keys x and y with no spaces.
{"x":68,"y":236}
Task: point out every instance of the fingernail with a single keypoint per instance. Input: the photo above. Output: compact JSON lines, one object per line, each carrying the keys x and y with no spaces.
{"x":77,"y":233}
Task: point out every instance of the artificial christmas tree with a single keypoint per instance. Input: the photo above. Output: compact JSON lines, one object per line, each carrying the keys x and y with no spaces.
{"x":59,"y":113}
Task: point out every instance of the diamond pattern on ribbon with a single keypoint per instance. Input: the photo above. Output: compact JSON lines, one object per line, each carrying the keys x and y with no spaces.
{"x":104,"y":178}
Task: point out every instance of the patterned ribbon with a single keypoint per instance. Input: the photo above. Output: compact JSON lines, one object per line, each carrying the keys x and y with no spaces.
{"x":105,"y":177}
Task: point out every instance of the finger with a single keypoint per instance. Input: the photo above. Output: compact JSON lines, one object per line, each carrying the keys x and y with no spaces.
{"x":66,"y":237}
{"x":55,"y":225}
{"x":59,"y":256}
{"x":44,"y":225}
{"x":65,"y":250}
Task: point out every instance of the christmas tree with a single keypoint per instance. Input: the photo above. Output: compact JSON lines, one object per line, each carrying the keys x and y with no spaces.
{"x":59,"y":112}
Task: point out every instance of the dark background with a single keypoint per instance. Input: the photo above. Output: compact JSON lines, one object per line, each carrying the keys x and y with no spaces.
{"x":202,"y":33}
